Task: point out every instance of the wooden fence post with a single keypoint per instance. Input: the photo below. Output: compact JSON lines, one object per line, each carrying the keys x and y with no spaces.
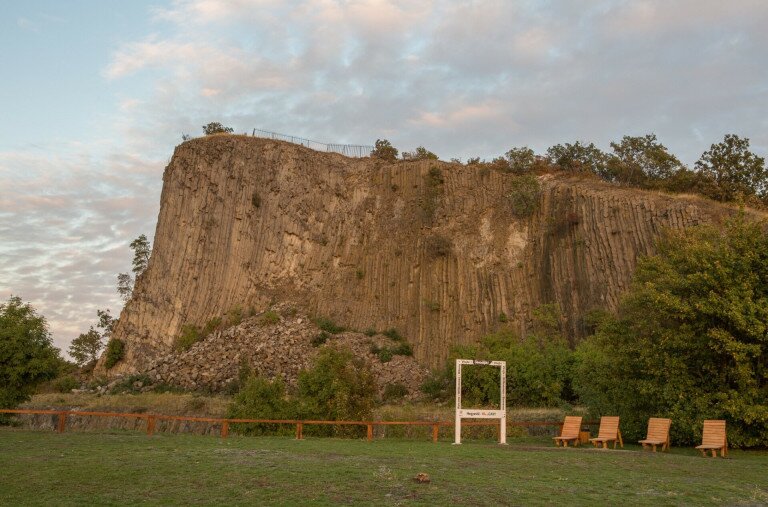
{"x":62,"y":422}
{"x":224,"y":429}
{"x":299,"y":431}
{"x":435,"y":432}
{"x":370,"y":432}
{"x":150,"y":425}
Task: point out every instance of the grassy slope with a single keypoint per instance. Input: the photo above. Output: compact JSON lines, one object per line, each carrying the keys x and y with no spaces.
{"x":119,"y":468}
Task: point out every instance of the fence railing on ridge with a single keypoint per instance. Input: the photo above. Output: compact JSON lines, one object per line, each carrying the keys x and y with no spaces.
{"x":349,"y":150}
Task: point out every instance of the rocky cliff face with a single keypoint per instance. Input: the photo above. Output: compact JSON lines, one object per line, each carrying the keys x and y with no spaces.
{"x":429,"y":248}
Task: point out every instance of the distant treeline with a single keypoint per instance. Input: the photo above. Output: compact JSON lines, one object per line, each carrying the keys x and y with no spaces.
{"x":727,"y":172}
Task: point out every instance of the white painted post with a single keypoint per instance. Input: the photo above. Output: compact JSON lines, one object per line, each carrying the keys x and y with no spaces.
{"x":457,"y":432}
{"x":500,"y":414}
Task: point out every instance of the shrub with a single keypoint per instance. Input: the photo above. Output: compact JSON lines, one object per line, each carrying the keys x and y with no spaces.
{"x":328,"y":325}
{"x":421,"y":153}
{"x":394,"y":391}
{"x":384,"y":150}
{"x":115,"y":352}
{"x":256,"y":200}
{"x":703,"y":354}
{"x":520,"y":160}
{"x":66,"y":383}
{"x":216,"y":128}
{"x":211,"y":326}
{"x":190,"y":334}
{"x":539,"y":371}
{"x":235,"y":316}
{"x":385,"y":354}
{"x":320,"y":339}
{"x":260,"y":398}
{"x":392,"y":334}
{"x":269,"y":318}
{"x":360,"y":274}
{"x":524,"y":196}
{"x":337,"y":387}
{"x":369,"y":332}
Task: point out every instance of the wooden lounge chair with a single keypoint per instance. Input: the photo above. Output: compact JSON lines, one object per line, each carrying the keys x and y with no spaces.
{"x":570,"y":432}
{"x":608,"y":432}
{"x":658,"y":433}
{"x":714,"y":438}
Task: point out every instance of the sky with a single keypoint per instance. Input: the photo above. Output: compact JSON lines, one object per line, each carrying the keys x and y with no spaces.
{"x":95,"y":94}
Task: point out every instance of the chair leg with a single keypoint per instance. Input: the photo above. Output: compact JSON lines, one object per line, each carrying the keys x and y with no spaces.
{"x":654,"y":447}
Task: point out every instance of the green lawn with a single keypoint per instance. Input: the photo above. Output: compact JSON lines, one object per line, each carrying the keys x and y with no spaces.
{"x":130,"y":468}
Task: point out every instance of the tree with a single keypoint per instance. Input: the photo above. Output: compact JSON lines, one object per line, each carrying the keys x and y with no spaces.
{"x":735,"y":171}
{"x":384,"y":150}
{"x":579,"y":157}
{"x":421,"y":153}
{"x":27,"y":355}
{"x":124,"y":286}
{"x":141,"y":252}
{"x":521,"y":160}
{"x":216,"y":128}
{"x":704,"y":354}
{"x":642,"y":160}
{"x":338,"y":387}
{"x":86,"y":347}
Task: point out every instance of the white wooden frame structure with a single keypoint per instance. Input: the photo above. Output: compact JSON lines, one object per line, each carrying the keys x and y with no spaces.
{"x":480,"y":413}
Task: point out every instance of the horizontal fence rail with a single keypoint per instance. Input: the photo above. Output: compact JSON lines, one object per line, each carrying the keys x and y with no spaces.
{"x":151,"y":421}
{"x":349,"y":150}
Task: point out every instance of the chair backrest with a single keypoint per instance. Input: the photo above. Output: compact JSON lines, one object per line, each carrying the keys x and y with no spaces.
{"x":609,"y":426}
{"x":714,"y":432}
{"x":571,"y":426}
{"x":658,"y":428}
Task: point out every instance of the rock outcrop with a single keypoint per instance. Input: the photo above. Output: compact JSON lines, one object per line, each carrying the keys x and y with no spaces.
{"x":430,"y":248}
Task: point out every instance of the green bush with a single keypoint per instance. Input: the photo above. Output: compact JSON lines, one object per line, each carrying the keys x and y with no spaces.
{"x":320,"y":339}
{"x":115,"y":352}
{"x":520,"y":160}
{"x":392,"y":334}
{"x":66,"y":383}
{"x":524,"y":196}
{"x":539,"y":371}
{"x":384,"y":150}
{"x":256,"y":200}
{"x":438,"y":245}
{"x":211,"y":326}
{"x":269,"y":318}
{"x":190,"y":334}
{"x":216,"y":128}
{"x":394,"y":392}
{"x":421,"y":153}
{"x":369,"y":332}
{"x":329,"y":326}
{"x":703,"y":352}
{"x":337,"y":387}
{"x":235,"y":316}
{"x":260,"y":398}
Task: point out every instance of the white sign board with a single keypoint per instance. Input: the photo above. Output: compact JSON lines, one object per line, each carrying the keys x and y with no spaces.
{"x":481,"y":413}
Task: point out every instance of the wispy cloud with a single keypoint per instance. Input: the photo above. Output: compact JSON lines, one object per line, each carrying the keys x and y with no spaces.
{"x":464,"y":79}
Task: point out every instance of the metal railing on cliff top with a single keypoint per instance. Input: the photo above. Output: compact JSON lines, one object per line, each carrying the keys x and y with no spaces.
{"x":349,"y":150}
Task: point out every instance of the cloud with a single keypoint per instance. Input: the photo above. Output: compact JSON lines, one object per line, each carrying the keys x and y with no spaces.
{"x":470,"y":78}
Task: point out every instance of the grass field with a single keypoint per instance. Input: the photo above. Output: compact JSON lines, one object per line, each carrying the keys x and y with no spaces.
{"x":130,"y":468}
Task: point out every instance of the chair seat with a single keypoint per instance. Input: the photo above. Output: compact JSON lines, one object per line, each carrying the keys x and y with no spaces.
{"x":598,"y":439}
{"x":710,"y":446}
{"x":565,"y":438}
{"x":652,"y":442}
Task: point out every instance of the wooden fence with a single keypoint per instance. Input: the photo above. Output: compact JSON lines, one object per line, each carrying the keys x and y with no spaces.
{"x":151,"y":420}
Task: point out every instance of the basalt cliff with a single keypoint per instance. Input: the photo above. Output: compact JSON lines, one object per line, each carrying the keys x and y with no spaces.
{"x":435,"y":250}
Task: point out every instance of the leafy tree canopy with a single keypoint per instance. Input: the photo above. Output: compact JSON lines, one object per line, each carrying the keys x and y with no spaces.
{"x":141,"y":252}
{"x":704,"y":352}
{"x":642,"y":158}
{"x":384,"y":150}
{"x":421,"y":153}
{"x":27,"y":355}
{"x":520,"y":160}
{"x":734,"y":169}
{"x":216,"y":128}
{"x":578,"y":157}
